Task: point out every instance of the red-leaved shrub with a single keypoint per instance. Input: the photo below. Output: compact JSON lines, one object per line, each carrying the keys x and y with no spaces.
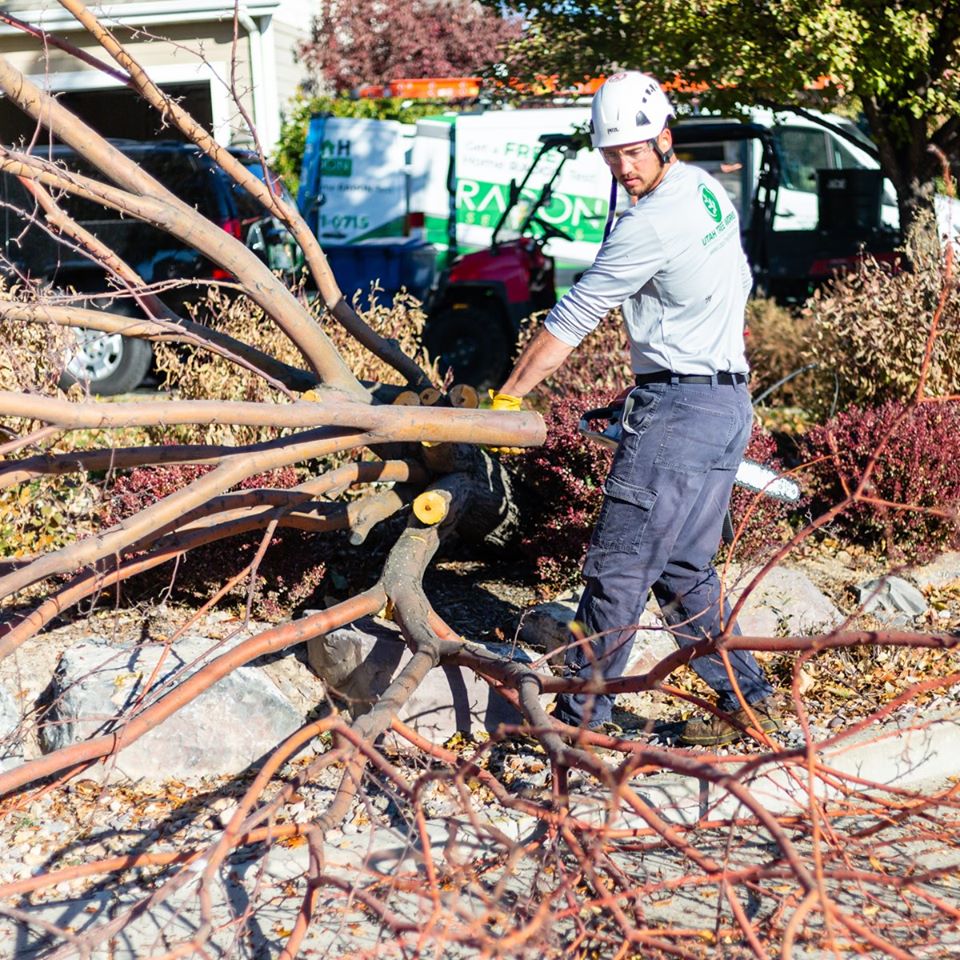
{"x":760,"y":522}
{"x":563,"y":479}
{"x":143,"y":486}
{"x":600,"y":365}
{"x":289,"y":572}
{"x":918,"y":468}
{"x":566,"y":474}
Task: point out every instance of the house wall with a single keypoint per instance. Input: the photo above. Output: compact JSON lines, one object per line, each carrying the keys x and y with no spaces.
{"x":259,"y":71}
{"x":290,"y":73}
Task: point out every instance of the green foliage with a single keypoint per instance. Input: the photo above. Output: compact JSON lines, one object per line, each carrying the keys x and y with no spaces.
{"x":288,"y":156}
{"x":898,"y":64}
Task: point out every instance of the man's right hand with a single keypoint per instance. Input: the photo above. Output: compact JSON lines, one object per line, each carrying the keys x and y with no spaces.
{"x":505,"y":401}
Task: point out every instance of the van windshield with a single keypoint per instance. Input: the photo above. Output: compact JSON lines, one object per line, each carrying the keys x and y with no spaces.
{"x":802,"y":151}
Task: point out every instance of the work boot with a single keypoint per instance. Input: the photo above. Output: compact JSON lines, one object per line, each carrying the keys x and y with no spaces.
{"x":712,"y":731}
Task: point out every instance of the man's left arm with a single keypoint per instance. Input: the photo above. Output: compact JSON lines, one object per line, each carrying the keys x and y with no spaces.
{"x":746,"y":277}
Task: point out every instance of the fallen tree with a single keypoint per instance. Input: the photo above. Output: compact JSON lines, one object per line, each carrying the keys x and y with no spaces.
{"x":575,"y":880}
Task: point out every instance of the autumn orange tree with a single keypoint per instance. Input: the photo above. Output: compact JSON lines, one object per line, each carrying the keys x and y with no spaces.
{"x":369,"y":43}
{"x":592,"y":876}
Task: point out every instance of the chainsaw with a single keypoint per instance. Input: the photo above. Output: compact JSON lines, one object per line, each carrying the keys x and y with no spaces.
{"x":750,"y":474}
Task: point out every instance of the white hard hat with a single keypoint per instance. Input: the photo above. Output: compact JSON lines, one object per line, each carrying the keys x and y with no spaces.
{"x":628,"y":107}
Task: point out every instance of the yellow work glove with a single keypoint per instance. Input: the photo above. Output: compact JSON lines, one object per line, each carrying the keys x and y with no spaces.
{"x":504,"y":401}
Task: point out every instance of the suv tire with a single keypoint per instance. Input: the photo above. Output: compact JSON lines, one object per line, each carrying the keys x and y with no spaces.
{"x":107,"y":363}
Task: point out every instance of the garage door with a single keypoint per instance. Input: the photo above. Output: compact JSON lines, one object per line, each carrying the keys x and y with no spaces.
{"x":115,"y":112}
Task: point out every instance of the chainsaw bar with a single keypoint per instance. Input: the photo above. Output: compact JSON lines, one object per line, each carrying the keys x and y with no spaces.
{"x":750,"y":474}
{"x":755,"y":476}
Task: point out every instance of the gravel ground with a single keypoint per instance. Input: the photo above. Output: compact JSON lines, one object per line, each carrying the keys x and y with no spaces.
{"x":256,"y":895}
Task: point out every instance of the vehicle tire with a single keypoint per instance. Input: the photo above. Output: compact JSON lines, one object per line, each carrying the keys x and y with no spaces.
{"x":472,"y":341}
{"x":107,"y":363}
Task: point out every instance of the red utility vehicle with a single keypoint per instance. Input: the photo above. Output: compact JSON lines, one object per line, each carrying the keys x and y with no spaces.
{"x":480,"y":300}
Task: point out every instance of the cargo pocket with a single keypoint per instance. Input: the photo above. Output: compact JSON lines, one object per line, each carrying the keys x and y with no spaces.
{"x":623,"y":518}
{"x":697,"y":438}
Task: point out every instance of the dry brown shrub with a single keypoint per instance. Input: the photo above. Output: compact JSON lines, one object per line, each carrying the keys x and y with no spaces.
{"x":402,"y":322}
{"x":776,"y":341}
{"x":777,"y":348}
{"x":872,"y":327}
{"x":601,"y":364}
{"x":50,"y":511}
{"x":198,"y":374}
{"x":32,"y":355}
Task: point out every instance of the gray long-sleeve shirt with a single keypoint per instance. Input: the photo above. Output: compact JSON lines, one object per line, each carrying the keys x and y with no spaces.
{"x":675,"y":264}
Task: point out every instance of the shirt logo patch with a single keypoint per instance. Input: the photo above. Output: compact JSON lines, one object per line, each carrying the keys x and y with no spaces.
{"x":710,"y":203}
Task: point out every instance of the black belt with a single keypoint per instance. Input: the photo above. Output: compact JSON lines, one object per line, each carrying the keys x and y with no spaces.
{"x":666,"y":376}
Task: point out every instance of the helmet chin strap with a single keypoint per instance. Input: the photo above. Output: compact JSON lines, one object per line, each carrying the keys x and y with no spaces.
{"x":665,"y":155}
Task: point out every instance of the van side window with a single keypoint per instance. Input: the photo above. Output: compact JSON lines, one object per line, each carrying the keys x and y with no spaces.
{"x":802,"y":153}
{"x":843,"y":159}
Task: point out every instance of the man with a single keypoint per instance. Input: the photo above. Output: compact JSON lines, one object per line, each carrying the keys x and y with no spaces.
{"x":674,"y":263}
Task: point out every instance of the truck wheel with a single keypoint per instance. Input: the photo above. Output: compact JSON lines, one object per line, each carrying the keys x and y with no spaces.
{"x":472,"y":342}
{"x":108,"y":362}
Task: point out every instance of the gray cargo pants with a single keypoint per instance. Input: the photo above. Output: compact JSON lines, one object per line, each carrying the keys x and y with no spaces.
{"x":660,"y":524}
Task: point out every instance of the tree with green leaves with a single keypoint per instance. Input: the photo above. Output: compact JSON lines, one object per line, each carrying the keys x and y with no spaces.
{"x":894,"y":63}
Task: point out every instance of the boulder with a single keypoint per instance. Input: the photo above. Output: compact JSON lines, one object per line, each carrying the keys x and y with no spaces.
{"x":785,"y":603}
{"x":11,"y":745}
{"x":224,"y":730}
{"x":357,"y":663}
{"x":891,"y":599}
{"x":940,"y":572}
{"x":651,"y":643}
{"x":547,"y":627}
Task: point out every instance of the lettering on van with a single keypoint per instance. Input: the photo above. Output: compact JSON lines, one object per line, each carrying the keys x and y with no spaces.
{"x":335,"y":160}
{"x":482,"y":204}
{"x":515,"y":156}
{"x":523,"y":151}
